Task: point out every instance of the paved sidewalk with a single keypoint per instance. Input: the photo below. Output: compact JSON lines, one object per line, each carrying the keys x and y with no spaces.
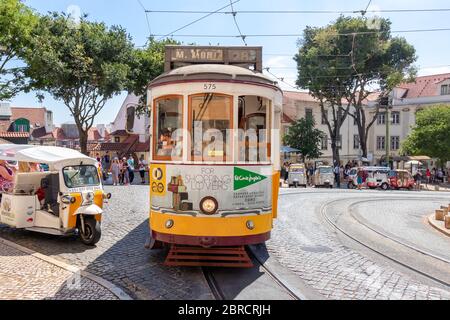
{"x":26,"y":277}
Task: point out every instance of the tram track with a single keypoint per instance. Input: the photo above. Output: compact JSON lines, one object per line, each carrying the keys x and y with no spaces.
{"x":217,"y":277}
{"x":372,"y":248}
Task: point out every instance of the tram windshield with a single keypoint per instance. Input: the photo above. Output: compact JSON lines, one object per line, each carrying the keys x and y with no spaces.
{"x":211,"y":123}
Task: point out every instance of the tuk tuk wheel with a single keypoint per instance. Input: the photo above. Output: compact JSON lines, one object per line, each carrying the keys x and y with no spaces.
{"x":384,"y":186}
{"x":92,"y":231}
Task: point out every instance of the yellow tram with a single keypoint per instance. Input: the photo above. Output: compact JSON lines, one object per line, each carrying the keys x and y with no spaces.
{"x":214,"y":162}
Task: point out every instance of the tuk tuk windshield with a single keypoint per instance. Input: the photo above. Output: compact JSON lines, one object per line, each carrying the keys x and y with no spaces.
{"x":81,"y":176}
{"x":325,"y":170}
{"x":297,"y":169}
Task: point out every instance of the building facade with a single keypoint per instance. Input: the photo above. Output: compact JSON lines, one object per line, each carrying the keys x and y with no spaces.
{"x":407,"y":100}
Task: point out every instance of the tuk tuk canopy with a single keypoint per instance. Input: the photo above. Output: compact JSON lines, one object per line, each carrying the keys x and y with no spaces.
{"x":43,"y":154}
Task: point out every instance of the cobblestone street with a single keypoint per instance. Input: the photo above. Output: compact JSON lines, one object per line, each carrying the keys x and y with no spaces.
{"x":302,"y":242}
{"x":24,"y":277}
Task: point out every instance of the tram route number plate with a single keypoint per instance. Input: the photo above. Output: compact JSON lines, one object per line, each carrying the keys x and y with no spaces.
{"x":158,"y":179}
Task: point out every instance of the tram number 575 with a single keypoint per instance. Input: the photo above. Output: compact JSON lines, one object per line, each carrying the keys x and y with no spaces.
{"x":209,"y":86}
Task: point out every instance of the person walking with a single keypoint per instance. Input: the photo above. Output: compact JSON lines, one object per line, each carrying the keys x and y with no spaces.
{"x":125,"y":172}
{"x":142,"y":166}
{"x":428,"y":174}
{"x":115,"y":170}
{"x":131,"y":167}
{"x":360,"y":179}
{"x":337,"y":176}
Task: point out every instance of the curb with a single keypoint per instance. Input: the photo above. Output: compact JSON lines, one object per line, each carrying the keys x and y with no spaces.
{"x":286,"y":277}
{"x":437,"y":226}
{"x":118,"y":292}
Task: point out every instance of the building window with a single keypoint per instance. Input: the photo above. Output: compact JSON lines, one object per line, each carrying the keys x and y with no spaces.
{"x":356,"y":141}
{"x":324,"y":143}
{"x":381,"y":119}
{"x":395,"y":143}
{"x":445,"y":89}
{"x":381,"y":143}
{"x":308,"y":113}
{"x":396,"y":117}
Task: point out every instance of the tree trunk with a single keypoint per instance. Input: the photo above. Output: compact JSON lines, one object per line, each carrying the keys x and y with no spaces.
{"x":83,"y":141}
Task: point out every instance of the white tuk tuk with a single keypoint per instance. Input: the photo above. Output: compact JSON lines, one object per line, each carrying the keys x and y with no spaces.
{"x":297,"y":175}
{"x":65,"y":199}
{"x":324,"y":177}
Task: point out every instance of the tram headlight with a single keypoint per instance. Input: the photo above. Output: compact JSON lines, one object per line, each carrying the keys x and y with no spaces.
{"x":209,"y":205}
{"x":250,"y":225}
{"x":169,"y":223}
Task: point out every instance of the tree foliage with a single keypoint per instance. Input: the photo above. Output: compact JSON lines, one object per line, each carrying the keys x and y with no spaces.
{"x":83,"y":65}
{"x":17,"y":23}
{"x":341,"y":64}
{"x":304,"y":136}
{"x":148,"y":63}
{"x":431,"y":134}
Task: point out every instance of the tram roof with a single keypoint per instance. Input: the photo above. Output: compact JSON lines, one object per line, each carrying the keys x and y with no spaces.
{"x":211,"y":72}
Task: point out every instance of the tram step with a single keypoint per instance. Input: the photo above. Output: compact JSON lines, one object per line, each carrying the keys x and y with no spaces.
{"x":234,"y":257}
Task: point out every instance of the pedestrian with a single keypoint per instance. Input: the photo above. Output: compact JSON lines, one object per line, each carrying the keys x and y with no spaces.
{"x":115,"y":170}
{"x":440,"y":175}
{"x":428,"y":174}
{"x":360,"y":179}
{"x":131,"y":167}
{"x":286,"y":174}
{"x":417,"y":179}
{"x":142,"y":166}
{"x":283,"y":172}
{"x":125,"y":172}
{"x":337,"y":175}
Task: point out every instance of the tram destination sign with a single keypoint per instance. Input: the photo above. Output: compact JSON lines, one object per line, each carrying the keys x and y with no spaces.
{"x":178,"y":56}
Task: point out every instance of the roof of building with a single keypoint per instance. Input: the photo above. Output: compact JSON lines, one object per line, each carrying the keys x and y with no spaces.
{"x":41,"y":133}
{"x":58,"y":133}
{"x":6,"y":134}
{"x":94,"y":135}
{"x":425,"y":86}
{"x":120,"y":133}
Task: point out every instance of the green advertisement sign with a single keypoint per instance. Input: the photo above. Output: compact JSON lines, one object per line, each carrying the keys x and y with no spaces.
{"x":244,"y":178}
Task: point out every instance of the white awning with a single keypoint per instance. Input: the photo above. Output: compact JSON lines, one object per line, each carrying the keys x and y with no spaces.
{"x":42,"y":154}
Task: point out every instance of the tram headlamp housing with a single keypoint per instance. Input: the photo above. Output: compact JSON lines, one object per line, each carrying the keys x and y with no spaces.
{"x":209,"y":205}
{"x":250,"y":225}
{"x":169,"y":223}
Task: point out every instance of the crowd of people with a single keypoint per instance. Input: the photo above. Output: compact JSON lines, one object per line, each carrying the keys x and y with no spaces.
{"x":342,"y":172}
{"x":123,"y":169}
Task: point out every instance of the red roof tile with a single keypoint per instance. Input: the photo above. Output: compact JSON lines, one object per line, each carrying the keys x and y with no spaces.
{"x":94,"y":135}
{"x":5,"y":134}
{"x":426,"y":86}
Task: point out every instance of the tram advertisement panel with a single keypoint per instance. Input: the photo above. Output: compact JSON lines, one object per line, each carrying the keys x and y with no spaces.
{"x":181,"y":188}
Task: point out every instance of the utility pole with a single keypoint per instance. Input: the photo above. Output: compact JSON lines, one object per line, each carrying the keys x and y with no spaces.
{"x":385,"y":103}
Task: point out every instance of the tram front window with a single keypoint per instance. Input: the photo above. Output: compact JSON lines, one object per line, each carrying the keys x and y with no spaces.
{"x":168,"y":128}
{"x":254,"y":134}
{"x":211,"y":118}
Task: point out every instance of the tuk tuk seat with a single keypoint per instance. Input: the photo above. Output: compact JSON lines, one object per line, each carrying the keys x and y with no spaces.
{"x":27,"y":182}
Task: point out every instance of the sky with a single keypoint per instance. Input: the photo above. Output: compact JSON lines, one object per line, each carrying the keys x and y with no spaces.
{"x":432,"y":48}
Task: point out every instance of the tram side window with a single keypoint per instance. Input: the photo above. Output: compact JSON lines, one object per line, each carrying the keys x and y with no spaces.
{"x":168,"y":128}
{"x":254,"y":124}
{"x":211,"y":118}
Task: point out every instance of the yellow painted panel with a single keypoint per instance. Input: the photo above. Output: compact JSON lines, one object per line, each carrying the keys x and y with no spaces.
{"x":158,"y":180}
{"x":275,"y":192}
{"x":220,"y":227}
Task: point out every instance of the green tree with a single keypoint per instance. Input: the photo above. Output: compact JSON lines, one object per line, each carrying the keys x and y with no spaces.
{"x":17,"y":23}
{"x":431,"y":134}
{"x":343,"y":63}
{"x":304,"y":136}
{"x":148,"y":63}
{"x":81,"y":64}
